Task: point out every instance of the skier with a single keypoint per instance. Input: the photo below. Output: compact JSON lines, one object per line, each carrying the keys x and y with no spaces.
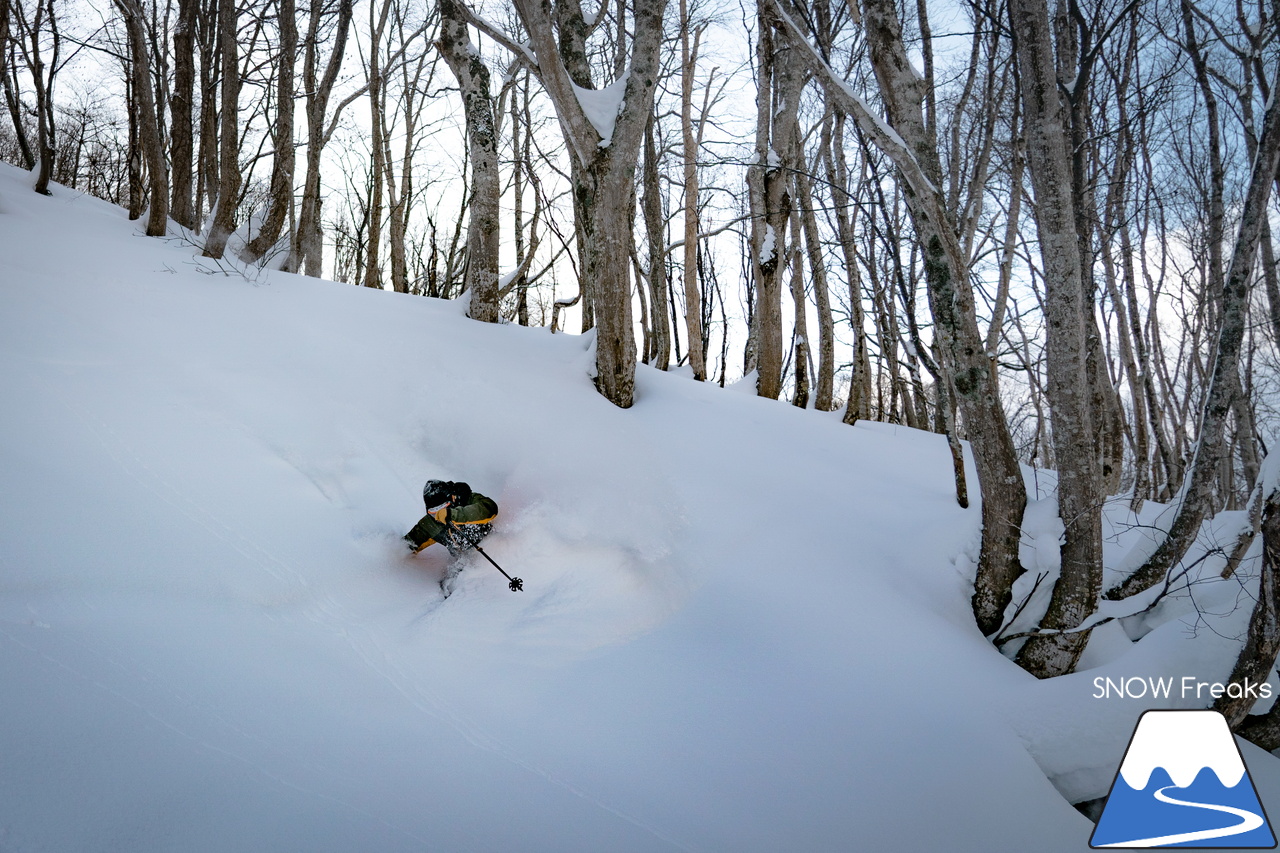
{"x":457,"y":517}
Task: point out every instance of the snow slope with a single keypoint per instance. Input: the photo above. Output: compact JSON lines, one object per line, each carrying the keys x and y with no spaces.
{"x":744,"y":627}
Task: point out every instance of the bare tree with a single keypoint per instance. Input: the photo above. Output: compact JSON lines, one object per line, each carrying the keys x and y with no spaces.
{"x":308,"y":245}
{"x":40,"y":43}
{"x":821,"y":290}
{"x":603,"y":133}
{"x":857,"y":406}
{"x":284,"y":160}
{"x":658,"y":329}
{"x":1194,"y":503}
{"x":8,"y":71}
{"x":408,"y":76}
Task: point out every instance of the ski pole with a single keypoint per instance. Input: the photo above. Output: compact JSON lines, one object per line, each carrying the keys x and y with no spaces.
{"x":516,"y":584}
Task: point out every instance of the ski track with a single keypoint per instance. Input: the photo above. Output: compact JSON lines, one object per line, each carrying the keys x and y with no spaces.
{"x":1249,"y":821}
{"x":478,"y":736}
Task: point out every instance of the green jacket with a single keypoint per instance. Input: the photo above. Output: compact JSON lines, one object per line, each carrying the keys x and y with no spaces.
{"x":432,"y":527}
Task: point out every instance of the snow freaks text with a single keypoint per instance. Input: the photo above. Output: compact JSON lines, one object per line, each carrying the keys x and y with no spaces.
{"x":1187,"y":687}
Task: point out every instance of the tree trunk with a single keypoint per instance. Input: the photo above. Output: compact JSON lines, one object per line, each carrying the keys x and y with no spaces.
{"x":1115,"y":221}
{"x":1258,"y":656}
{"x":148,"y":123}
{"x":1074,"y":67}
{"x":660,"y":325}
{"x":43,"y":71}
{"x":307,"y":251}
{"x":604,"y":164}
{"x":372,"y":273}
{"x":181,"y":113}
{"x":224,"y":215}
{"x":800,"y":305}
{"x":1271,"y":281}
{"x":207,"y":154}
{"x":781,"y":80}
{"x":1066,"y":355}
{"x":482,"y":140}
{"x":10,"y":95}
{"x":858,"y":403}
{"x":285,"y":158}
{"x":689,"y":156}
{"x":44,"y":102}
{"x":606,"y":238}
{"x":823,"y":394}
{"x":133,"y":162}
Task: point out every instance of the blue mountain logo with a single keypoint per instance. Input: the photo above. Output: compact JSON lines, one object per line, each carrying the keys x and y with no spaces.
{"x":1183,"y":783}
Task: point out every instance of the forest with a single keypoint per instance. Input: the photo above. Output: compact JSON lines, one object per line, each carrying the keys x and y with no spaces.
{"x":1041,"y":229}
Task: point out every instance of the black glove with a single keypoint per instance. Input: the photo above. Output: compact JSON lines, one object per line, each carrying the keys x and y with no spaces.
{"x":459,"y":494}
{"x":446,"y":538}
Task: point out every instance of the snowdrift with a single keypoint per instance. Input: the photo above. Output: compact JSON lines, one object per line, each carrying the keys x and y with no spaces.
{"x":744,"y":627}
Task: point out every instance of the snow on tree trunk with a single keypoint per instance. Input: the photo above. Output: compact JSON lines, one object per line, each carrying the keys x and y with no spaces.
{"x":781,"y":79}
